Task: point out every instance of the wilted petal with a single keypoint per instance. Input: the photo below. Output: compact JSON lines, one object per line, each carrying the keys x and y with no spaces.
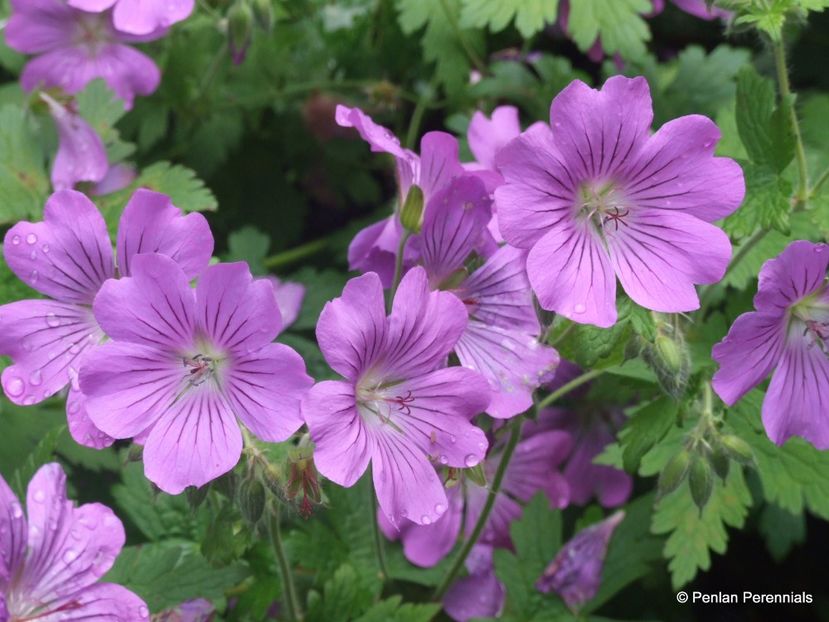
{"x":81,"y":153}
{"x":68,"y":256}
{"x":576,"y":572}
{"x":150,"y":223}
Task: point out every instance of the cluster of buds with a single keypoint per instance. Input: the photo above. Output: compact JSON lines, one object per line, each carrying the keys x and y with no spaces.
{"x":242,"y":18}
{"x":707,"y":453}
{"x":668,"y":355}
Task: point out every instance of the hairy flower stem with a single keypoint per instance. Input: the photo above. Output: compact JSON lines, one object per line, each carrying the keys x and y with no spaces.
{"x":378,"y":539}
{"x":494,"y":489}
{"x":778,"y":47}
{"x":514,"y":427}
{"x":288,"y":587}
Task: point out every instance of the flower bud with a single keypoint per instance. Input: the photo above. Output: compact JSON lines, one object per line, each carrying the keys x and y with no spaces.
{"x":302,"y":479}
{"x":674,"y":472}
{"x":252,"y":500}
{"x":411,"y":215}
{"x":196,"y":496}
{"x":239,"y":30}
{"x":669,"y":353}
{"x":701,"y":481}
{"x":668,"y":357}
{"x":737,"y":449}
{"x":263,"y":14}
{"x":721,"y":461}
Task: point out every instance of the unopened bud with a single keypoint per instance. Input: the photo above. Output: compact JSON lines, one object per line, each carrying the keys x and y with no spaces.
{"x":737,"y":449}
{"x":196,"y":496}
{"x":701,"y":481}
{"x":668,"y":357}
{"x":721,"y":462}
{"x":135,"y":453}
{"x":263,"y":14}
{"x":411,"y":215}
{"x":302,"y":480}
{"x":674,"y":472}
{"x":669,"y":353}
{"x":239,"y":30}
{"x":252,"y":500}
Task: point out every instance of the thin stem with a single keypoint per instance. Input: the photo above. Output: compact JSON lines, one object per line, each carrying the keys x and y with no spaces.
{"x":211,"y":71}
{"x":821,"y":180}
{"x":291,"y":599}
{"x":515,"y":435}
{"x":417,"y":115}
{"x":295,"y":254}
{"x":575,"y":383}
{"x":398,"y":268}
{"x":786,"y":93}
{"x":378,"y":540}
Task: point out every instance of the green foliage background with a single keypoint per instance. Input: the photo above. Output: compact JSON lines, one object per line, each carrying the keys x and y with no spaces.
{"x":255,"y":146}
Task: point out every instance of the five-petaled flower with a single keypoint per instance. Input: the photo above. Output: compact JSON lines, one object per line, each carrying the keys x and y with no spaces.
{"x":788,"y":336}
{"x":399,"y":408}
{"x":67,"y":258}
{"x":183,"y":365}
{"x":74,"y":47}
{"x":594,"y":197}
{"x":50,"y":564}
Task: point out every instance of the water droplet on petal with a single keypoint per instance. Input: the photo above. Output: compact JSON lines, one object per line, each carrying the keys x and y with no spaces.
{"x":440,"y":509}
{"x":52,"y":320}
{"x":36,"y":377}
{"x":444,"y":459}
{"x":45,"y":248}
{"x":29,"y":400}
{"x":39,"y":496}
{"x":471,"y":460}
{"x":579,"y":308}
{"x":15,"y":240}
{"x":33,"y":276}
{"x":70,"y":555}
{"x":819,"y":248}
{"x":17,"y":511}
{"x":425,"y":520}
{"x":143,"y":611}
{"x":31,"y":238}
{"x":33,"y":255}
{"x":453,"y":439}
{"x":14,"y":387}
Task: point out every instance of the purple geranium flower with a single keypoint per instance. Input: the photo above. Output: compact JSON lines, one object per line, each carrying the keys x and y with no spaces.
{"x":399,"y":408}
{"x":501,"y":338}
{"x":434,"y":171}
{"x":74,"y":47}
{"x":289,"y":297}
{"x":576,"y":572}
{"x":81,"y":153}
{"x":183,"y":365}
{"x":591,"y":433}
{"x":139,"y":17}
{"x":534,"y":468}
{"x":479,"y":594}
{"x":67,"y":258}
{"x":50,"y":566}
{"x":594,"y":197}
{"x":788,"y":336}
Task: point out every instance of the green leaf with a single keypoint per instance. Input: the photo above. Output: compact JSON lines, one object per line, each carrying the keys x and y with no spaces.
{"x":782,"y":530}
{"x":619,"y":23}
{"x":167,"y":574}
{"x":24,"y":184}
{"x":157,"y":515}
{"x":646,"y":427}
{"x":530,"y":15}
{"x":249,"y":244}
{"x":767,"y":204}
{"x":444,"y":42}
{"x":391,"y":610}
{"x":767,"y":16}
{"x":187,"y":191}
{"x":43,"y":453}
{"x":794,"y":476}
{"x":765,"y":130}
{"x":99,"y":106}
{"x":694,"y":534}
{"x":345,"y":596}
{"x":593,"y":347}
{"x":320,"y":287}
